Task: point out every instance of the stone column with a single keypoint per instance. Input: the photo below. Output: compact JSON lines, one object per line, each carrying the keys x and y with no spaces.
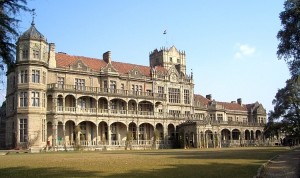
{"x":109,"y":134}
{"x":64,"y":134}
{"x":97,"y":131}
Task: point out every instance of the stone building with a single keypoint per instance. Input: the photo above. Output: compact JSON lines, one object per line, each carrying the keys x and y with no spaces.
{"x":57,"y":101}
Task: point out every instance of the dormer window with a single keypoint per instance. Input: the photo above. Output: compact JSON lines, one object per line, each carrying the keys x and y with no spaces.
{"x":36,"y":54}
{"x":79,"y":65}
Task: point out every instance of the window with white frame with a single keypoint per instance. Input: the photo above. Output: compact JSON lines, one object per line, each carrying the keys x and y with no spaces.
{"x":113,"y":86}
{"x":79,"y":84}
{"x":23,"y":76}
{"x":174,"y":95}
{"x":23,"y":130}
{"x":35,"y":76}
{"x":186,"y":96}
{"x":35,"y":99}
{"x":220,"y":117}
{"x":60,"y":82}
{"x":23,"y":99}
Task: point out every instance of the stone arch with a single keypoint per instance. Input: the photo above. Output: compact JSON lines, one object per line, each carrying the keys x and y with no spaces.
{"x":171,"y":132}
{"x":258,"y":135}
{"x":236,"y":134}
{"x":70,"y":135}
{"x":132,"y":106}
{"x":146,"y":131}
{"x":247,"y":135}
{"x":118,"y":105}
{"x":132,"y":127}
{"x":160,"y":129}
{"x":103,"y":133}
{"x":103,"y":105}
{"x":70,"y":103}
{"x":118,"y":133}
{"x":87,"y":133}
{"x":145,"y":108}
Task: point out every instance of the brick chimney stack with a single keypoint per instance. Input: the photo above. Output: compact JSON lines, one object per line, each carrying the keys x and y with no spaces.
{"x":107,"y":57}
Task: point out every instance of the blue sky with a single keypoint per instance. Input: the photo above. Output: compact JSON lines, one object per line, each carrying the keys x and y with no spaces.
{"x":230,"y":45}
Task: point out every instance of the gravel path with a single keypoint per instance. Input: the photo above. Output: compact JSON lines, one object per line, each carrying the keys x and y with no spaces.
{"x":283,"y":166}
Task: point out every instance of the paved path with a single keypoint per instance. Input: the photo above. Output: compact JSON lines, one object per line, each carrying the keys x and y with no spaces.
{"x":286,"y":165}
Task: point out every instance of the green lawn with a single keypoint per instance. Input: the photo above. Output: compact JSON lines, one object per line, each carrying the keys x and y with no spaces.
{"x":225,"y":162}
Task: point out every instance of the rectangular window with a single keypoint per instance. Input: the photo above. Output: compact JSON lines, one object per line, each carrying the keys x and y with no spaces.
{"x":23,"y":99}
{"x":79,"y":84}
{"x":36,"y":54}
{"x":174,"y":113}
{"x":220,"y":117}
{"x":25,"y":53}
{"x":23,"y":130}
{"x":35,"y":76}
{"x":60,"y":82}
{"x":35,"y":99}
{"x":23,"y":76}
{"x":113,"y":86}
{"x":186,"y":96}
{"x":174,"y":95}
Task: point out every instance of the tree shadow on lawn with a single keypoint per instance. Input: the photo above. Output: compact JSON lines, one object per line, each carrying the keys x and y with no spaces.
{"x":45,"y":172}
{"x":191,"y":171}
{"x":258,"y":154}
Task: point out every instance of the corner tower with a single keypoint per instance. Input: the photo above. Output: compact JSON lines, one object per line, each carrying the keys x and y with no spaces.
{"x":26,"y":92}
{"x":167,"y":58}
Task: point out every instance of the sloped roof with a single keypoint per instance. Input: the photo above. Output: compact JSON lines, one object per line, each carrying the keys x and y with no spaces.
{"x":228,"y":106}
{"x":201,"y":99}
{"x":32,"y":34}
{"x":64,"y":61}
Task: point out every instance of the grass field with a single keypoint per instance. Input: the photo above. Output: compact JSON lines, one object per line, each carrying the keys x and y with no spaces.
{"x":225,"y":162}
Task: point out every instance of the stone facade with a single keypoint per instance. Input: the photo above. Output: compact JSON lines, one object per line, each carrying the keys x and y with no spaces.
{"x":60,"y":101}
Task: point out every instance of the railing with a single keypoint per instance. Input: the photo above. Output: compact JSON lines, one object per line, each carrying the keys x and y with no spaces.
{"x":110,"y":91}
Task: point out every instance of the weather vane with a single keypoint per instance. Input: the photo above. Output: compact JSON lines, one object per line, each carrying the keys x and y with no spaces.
{"x":33,"y":15}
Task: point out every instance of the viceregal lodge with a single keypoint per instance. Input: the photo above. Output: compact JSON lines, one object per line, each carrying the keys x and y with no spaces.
{"x":57,"y":101}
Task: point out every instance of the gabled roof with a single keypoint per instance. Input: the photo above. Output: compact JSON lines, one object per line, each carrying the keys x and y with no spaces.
{"x":228,"y":106}
{"x":64,"y":61}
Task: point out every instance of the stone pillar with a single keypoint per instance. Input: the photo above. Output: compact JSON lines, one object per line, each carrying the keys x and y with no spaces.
{"x":97,"y":131}
{"x":109,"y":134}
{"x":64,"y":134}
{"x":200,"y":139}
{"x":138,"y":133}
{"x":214,"y":140}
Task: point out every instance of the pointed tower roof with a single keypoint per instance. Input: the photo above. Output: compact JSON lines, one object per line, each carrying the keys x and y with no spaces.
{"x":32,"y":34}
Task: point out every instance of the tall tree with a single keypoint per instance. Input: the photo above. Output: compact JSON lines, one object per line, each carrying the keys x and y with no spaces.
{"x":287,"y":106}
{"x":289,"y":36}
{"x":9,"y":9}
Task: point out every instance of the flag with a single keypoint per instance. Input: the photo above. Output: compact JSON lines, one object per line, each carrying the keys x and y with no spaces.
{"x":165,"y":32}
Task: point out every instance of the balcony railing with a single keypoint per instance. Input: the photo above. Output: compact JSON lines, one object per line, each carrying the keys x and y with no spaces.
{"x":105,"y":91}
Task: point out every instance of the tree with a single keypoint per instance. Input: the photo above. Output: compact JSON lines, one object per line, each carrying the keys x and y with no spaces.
{"x":287,"y":107}
{"x":289,"y":36}
{"x":9,"y":9}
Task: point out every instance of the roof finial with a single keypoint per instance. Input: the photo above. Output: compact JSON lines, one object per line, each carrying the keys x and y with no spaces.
{"x":33,"y":15}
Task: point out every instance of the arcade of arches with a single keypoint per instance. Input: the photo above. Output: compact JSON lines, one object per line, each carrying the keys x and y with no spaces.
{"x":88,"y":133}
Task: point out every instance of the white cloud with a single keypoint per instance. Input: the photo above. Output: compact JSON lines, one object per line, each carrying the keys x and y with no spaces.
{"x":244,"y":50}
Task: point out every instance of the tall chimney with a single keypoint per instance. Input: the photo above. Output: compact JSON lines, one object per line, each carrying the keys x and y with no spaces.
{"x":107,"y":57}
{"x":239,"y":101}
{"x":209,"y":97}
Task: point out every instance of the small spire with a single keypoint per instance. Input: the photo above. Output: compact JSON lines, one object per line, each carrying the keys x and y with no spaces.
{"x":33,"y":15}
